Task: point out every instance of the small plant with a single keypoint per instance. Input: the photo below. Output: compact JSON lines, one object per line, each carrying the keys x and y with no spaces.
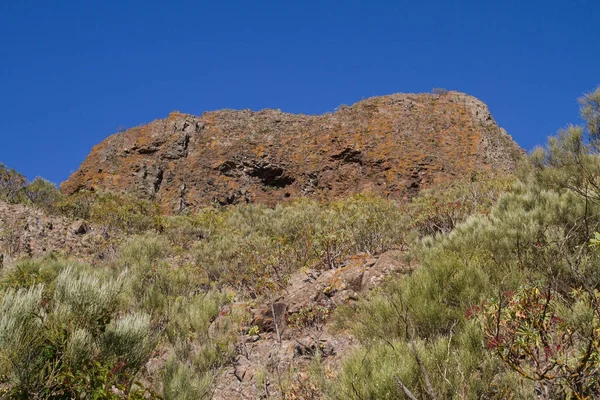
{"x":309,"y":316}
{"x":11,"y":184}
{"x":548,"y":339}
{"x":439,"y":91}
{"x":43,"y":194}
{"x":123,"y":212}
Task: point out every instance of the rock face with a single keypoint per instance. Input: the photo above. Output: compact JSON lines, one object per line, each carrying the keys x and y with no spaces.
{"x":392,"y":146}
{"x":291,"y":333}
{"x":25,"y":231}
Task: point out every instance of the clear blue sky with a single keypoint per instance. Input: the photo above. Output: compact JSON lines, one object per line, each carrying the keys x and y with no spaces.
{"x":73,"y":72}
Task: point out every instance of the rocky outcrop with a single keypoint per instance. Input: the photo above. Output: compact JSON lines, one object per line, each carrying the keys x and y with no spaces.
{"x":392,"y":146}
{"x":296,"y":327}
{"x":27,"y":232}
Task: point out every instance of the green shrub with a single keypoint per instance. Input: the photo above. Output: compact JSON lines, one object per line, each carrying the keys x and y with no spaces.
{"x":182,"y":382}
{"x":11,"y":184}
{"x":15,"y":188}
{"x":153,"y":283}
{"x":129,"y":340}
{"x":31,"y":272}
{"x":256,"y":248}
{"x":84,"y":299}
{"x":121,"y":212}
{"x":549,"y":339}
{"x":126,"y":213}
{"x":43,"y":194}
{"x":21,"y":334}
{"x":462,"y":325}
{"x":442,"y":208}
{"x":183,"y":231}
{"x":532,"y":234}
{"x":198,"y":355}
{"x":81,"y":348}
{"x":78,"y":205}
{"x":69,"y":341}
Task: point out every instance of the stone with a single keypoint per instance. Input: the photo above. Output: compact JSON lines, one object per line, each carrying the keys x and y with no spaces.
{"x":28,"y":232}
{"x":392,"y":146}
{"x":80,"y":227}
{"x":388,"y":263}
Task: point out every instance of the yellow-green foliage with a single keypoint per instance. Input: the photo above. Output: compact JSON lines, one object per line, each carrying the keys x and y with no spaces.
{"x":533,"y":234}
{"x":440,"y":209}
{"x":184,"y":231}
{"x":15,"y":188}
{"x":166,"y":287}
{"x":463,"y":326}
{"x":30,"y":272}
{"x":21,"y":333}
{"x":197,"y":356}
{"x":11,"y":184}
{"x":63,"y":343}
{"x":122,"y":212}
{"x":129,"y":339}
{"x":557,"y":333}
{"x":503,"y":305}
{"x":256,"y":248}
{"x":153,"y":283}
{"x":72,"y":329}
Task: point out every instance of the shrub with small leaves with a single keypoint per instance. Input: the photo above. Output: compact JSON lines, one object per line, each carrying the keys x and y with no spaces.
{"x":86,"y":299}
{"x":129,"y":339}
{"x":549,"y":339}
{"x":21,"y":334}
{"x":11,"y":184}
{"x":43,"y":194}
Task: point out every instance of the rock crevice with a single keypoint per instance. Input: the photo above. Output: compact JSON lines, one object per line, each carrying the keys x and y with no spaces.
{"x":392,"y":146}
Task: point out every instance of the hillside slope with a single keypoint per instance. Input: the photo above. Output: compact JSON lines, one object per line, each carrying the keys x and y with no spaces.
{"x":29,"y":232}
{"x":392,"y":146}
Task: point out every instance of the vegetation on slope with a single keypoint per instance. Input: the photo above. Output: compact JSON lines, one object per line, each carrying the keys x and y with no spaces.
{"x":167,"y":293}
{"x":505,"y":305}
{"x":505,"y":302}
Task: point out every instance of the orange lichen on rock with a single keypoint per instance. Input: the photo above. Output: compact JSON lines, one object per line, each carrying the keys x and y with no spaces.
{"x":392,"y":146}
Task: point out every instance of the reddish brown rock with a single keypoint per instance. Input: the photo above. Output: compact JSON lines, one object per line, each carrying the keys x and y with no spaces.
{"x":288,"y":349}
{"x":28,"y":232}
{"x":392,"y":146}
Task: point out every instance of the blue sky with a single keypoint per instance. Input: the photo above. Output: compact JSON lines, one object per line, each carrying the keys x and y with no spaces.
{"x":73,"y":72}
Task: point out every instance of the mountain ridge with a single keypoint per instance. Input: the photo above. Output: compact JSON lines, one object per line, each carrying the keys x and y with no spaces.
{"x":392,"y":146}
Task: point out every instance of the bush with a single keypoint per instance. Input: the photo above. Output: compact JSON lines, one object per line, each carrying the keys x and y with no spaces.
{"x":153,"y":284}
{"x":125,"y":213}
{"x":11,"y":184}
{"x":21,"y":335}
{"x":69,"y":341}
{"x":15,"y":188}
{"x":43,"y":194}
{"x":439,"y":91}
{"x":84,"y":299}
{"x":256,"y":248}
{"x":453,"y":366}
{"x":184,"y":231}
{"x":182,"y":382}
{"x":28,"y":272}
{"x":548,"y":338}
{"x":531,"y":235}
{"x":440,"y":209}
{"x":197,"y":356}
{"x":504,"y":302}
{"x":129,"y":339}
{"x":78,"y":205}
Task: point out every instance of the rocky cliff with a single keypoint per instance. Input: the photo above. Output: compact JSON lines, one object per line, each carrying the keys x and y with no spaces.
{"x":392,"y":146}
